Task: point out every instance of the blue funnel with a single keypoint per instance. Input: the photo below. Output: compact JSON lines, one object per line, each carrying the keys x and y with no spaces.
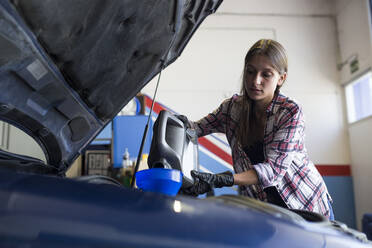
{"x":166,"y":181}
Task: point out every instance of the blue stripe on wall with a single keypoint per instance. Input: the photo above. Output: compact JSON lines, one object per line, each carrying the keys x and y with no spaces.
{"x":341,"y":190}
{"x":210,"y":163}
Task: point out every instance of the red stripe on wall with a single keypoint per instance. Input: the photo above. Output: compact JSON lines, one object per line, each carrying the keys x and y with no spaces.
{"x":324,"y":170}
{"x":215,"y":149}
{"x":334,"y":170}
{"x":148,"y":102}
{"x":157,"y":107}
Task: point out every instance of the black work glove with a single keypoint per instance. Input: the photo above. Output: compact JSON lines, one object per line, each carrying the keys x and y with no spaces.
{"x":205,"y":182}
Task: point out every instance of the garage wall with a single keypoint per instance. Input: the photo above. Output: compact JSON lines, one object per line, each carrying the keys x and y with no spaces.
{"x":354,"y":32}
{"x":354,"y":35}
{"x":14,"y":140}
{"x":211,"y":66}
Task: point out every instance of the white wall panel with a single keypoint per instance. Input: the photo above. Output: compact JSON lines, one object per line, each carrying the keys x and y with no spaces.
{"x":353,"y":24}
{"x":326,"y":139}
{"x":360,"y":145}
{"x":209,"y":70}
{"x":285,"y":7}
{"x":21,"y":143}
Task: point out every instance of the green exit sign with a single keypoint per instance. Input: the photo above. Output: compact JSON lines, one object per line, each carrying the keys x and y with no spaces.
{"x":354,"y":65}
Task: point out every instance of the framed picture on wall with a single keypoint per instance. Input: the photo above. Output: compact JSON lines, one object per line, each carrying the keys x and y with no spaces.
{"x":97,"y":162}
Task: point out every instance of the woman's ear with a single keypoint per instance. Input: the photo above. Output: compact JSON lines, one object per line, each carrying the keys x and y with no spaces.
{"x":282,"y":79}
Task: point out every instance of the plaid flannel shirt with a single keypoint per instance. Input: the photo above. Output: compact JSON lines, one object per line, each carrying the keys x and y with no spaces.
{"x":286,"y":165}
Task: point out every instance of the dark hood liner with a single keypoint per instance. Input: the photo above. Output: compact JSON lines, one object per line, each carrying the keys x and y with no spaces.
{"x":108,"y":50}
{"x":67,"y":67}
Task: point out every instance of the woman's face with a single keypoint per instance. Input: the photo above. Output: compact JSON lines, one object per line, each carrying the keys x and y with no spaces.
{"x":262,"y":79}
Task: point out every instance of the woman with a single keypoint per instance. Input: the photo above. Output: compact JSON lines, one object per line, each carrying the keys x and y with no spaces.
{"x":265,"y":130}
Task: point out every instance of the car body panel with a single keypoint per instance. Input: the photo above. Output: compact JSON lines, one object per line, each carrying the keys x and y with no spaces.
{"x":57,"y":211}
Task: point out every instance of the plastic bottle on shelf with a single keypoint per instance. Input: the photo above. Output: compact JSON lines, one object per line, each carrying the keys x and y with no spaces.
{"x":126,"y":162}
{"x":143,"y":164}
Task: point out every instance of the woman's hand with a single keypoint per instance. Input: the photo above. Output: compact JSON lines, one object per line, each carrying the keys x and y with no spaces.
{"x":184,"y":120}
{"x":205,"y":182}
{"x":214,"y":180}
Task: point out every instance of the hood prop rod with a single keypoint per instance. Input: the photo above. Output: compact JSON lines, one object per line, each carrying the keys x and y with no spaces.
{"x":146,"y":130}
{"x":176,"y":28}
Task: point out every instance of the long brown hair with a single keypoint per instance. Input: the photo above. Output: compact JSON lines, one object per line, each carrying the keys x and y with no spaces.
{"x":278,"y":57}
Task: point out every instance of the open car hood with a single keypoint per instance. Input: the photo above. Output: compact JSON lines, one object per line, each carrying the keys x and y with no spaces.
{"x":67,"y":67}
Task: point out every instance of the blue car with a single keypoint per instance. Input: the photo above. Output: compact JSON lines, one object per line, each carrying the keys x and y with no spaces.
{"x":67,"y":67}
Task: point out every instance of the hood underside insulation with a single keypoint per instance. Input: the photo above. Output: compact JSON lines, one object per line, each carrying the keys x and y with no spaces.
{"x":108,"y":50}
